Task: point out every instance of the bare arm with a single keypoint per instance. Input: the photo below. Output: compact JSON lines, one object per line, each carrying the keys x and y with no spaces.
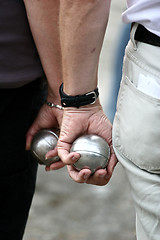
{"x":82,"y":28}
{"x":43,"y":18}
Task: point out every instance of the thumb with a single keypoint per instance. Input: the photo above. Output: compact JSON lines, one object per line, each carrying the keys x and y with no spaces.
{"x":64,"y":152}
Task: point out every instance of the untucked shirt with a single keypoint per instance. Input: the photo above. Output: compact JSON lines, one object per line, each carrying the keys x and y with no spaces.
{"x":19,"y":60}
{"x":145,"y":12}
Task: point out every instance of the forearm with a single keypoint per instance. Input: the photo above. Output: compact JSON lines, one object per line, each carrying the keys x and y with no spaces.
{"x":43,"y":18}
{"x":82,"y":29}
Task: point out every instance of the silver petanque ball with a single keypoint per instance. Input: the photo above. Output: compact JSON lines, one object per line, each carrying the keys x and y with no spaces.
{"x":44,"y":141}
{"x":94,"y":151}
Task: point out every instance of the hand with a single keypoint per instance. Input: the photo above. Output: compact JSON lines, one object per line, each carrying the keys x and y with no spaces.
{"x":47,"y":118}
{"x":89,"y":119}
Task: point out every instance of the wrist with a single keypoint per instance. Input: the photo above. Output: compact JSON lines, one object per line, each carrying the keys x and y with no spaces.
{"x":53,"y":101}
{"x":90,"y":108}
{"x":53,"y":97}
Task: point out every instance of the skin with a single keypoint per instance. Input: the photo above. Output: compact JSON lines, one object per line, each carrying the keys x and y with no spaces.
{"x":43,"y":17}
{"x":70,"y":53}
{"x":87,"y":120}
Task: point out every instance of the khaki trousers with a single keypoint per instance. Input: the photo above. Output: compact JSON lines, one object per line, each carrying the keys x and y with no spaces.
{"x":136,"y":133}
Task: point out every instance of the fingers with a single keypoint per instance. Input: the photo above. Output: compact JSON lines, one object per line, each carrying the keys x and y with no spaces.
{"x":80,"y":177}
{"x":29,"y":136}
{"x":64,"y":153}
{"x":52,"y":153}
{"x":100,"y":177}
{"x":55,"y":166}
{"x":112,"y":161}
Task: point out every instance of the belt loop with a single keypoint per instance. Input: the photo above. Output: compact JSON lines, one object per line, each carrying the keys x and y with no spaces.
{"x":132,"y":34}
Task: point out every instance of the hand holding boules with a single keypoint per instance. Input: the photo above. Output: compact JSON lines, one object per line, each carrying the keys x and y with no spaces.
{"x":79,"y":122}
{"x":94,"y":152}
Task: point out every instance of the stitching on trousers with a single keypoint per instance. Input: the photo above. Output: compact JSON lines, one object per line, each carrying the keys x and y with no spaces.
{"x":140,"y":64}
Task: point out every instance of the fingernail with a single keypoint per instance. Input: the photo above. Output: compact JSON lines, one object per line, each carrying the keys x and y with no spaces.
{"x":54,"y":168}
{"x":102,"y":176}
{"x":47,"y":158}
{"x":74,"y":158}
{"x":107,"y":177}
{"x":48,"y":169}
{"x":85,"y":176}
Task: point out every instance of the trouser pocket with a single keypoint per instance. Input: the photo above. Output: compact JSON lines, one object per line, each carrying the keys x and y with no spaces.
{"x":136,"y":127}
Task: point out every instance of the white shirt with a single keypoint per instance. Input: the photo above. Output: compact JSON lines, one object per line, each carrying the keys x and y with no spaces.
{"x":145,"y":12}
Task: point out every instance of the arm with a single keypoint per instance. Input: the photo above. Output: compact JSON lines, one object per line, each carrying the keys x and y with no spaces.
{"x":82,"y":29}
{"x":43,"y":17}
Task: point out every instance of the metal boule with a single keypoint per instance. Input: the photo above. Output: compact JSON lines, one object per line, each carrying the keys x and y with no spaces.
{"x":94,"y":152}
{"x":44,"y":141}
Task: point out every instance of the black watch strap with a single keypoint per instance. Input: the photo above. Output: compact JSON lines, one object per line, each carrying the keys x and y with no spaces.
{"x":78,"y":100}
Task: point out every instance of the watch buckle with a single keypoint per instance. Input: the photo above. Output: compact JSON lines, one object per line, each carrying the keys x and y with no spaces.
{"x":94,"y":96}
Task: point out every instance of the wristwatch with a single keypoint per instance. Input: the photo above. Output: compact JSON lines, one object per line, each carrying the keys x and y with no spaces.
{"x":78,"y":100}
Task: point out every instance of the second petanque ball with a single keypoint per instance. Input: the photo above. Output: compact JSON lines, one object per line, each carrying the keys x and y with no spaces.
{"x":94,"y":151}
{"x":44,"y":141}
